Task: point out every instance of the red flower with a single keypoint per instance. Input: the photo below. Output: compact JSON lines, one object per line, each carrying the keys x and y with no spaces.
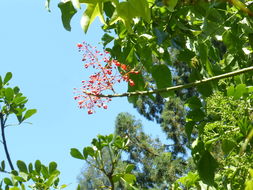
{"x":79,"y":45}
{"x":124,"y":67}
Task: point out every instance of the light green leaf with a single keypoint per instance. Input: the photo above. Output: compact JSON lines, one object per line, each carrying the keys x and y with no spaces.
{"x":67,"y":11}
{"x":92,"y":11}
{"x":129,"y":168}
{"x":9,"y":93}
{"x":7,"y":77}
{"x":76,"y":4}
{"x":29,"y":113}
{"x":52,"y":178}
{"x":129,"y":178}
{"x":172,"y":5}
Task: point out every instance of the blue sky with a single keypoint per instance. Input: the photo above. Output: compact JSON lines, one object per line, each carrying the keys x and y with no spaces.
{"x":47,"y":66}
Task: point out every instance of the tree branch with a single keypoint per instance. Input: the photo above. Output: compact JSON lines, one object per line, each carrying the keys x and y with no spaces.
{"x":3,"y":121}
{"x":173,"y":88}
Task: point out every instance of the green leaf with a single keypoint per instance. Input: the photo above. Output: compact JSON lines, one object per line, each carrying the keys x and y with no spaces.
{"x":76,"y":154}
{"x":22,"y":166}
{"x":9,"y":93}
{"x":29,"y":113}
{"x":44,"y":171}
{"x":1,"y":82}
{"x":163,"y":78}
{"x":38,"y":166}
{"x":194,"y":103}
{"x":52,"y":178}
{"x":129,"y":168}
{"x":129,"y":178}
{"x":206,"y":167}
{"x":7,"y":77}
{"x":109,"y":9}
{"x":52,"y":167}
{"x":7,"y":181}
{"x":3,"y":165}
{"x":188,"y":128}
{"x":30,"y":168}
{"x":189,"y":180}
{"x":196,"y":115}
{"x":67,"y":11}
{"x":88,"y":151}
{"x":230,"y":91}
{"x":92,"y":11}
{"x":227,"y":145}
{"x":239,"y":91}
{"x":172,"y":5}
{"x":107,"y":39}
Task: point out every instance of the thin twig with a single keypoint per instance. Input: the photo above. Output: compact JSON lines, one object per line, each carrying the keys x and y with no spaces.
{"x":173,"y":88}
{"x":3,"y":121}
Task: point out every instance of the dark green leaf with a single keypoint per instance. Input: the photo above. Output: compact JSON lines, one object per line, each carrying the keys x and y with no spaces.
{"x":206,"y":167}
{"x":194,"y":103}
{"x":52,"y":167}
{"x":107,"y":39}
{"x":67,"y":11}
{"x":108,"y":9}
{"x":1,"y":82}
{"x":162,"y":77}
{"x":76,"y":154}
{"x":44,"y":171}
{"x":196,"y":115}
{"x":38,"y":166}
{"x":3,"y":165}
{"x":88,"y":151}
{"x":7,"y":77}
{"x":188,"y":128}
{"x":30,"y":168}
{"x":7,"y":181}
{"x":22,"y":166}
{"x":227,"y":145}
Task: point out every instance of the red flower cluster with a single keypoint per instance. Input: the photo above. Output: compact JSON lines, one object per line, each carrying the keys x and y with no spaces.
{"x":104,"y":79}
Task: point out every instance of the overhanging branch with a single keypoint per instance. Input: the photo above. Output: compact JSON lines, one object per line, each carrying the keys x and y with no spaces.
{"x":173,"y":88}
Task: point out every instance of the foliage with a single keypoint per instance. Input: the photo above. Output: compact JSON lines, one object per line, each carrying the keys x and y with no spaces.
{"x":40,"y":177}
{"x":209,"y":38}
{"x":154,"y":166}
{"x":112,"y":147}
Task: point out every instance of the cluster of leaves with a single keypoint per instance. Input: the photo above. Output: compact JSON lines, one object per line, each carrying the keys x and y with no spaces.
{"x":223,"y":150}
{"x":94,"y":156}
{"x":12,"y":100}
{"x":39,"y":176}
